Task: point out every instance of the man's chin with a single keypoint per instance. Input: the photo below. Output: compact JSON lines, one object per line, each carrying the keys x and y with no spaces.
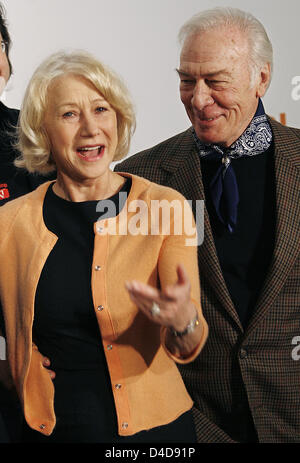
{"x":208,"y":138}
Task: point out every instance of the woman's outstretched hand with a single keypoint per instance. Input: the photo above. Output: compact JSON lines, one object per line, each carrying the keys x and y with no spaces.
{"x":170,"y":307}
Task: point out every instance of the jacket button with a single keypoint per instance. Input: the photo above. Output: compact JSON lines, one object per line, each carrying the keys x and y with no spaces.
{"x":243,"y":353}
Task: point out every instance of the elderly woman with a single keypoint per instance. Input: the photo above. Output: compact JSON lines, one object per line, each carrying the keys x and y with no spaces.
{"x":108,"y":296}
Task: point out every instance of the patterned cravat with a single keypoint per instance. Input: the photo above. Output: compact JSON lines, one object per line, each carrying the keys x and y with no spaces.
{"x":256,"y":139}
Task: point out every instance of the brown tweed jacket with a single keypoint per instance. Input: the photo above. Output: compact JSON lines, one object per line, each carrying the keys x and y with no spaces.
{"x":245,"y":384}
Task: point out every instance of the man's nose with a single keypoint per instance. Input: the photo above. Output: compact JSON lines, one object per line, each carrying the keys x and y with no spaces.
{"x":201,"y":96}
{"x":89,"y":126}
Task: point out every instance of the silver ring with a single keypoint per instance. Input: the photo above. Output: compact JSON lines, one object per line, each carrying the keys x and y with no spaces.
{"x":155,"y":309}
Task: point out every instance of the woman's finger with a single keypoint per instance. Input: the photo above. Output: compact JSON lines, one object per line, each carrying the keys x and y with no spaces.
{"x":138,"y":288}
{"x":46,"y":363}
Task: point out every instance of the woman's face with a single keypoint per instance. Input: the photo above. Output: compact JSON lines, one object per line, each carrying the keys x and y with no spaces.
{"x":82,"y":128}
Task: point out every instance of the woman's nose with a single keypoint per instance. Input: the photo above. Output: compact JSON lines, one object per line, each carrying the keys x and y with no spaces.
{"x":89,"y":127}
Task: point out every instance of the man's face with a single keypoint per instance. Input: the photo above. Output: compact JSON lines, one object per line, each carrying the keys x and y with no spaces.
{"x":215,"y":85}
{"x":4,"y":65}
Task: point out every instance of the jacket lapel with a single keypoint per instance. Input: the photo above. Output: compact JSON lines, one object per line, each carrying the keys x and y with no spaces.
{"x":286,"y":250}
{"x":186,"y":177}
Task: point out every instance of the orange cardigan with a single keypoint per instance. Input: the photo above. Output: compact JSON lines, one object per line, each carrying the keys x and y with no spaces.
{"x":147,"y":387}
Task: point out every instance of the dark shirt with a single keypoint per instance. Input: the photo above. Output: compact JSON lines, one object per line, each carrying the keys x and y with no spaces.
{"x":65,"y":326}
{"x":245,"y":254}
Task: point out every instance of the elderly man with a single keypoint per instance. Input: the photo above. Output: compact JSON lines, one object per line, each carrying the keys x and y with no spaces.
{"x":246,"y":382}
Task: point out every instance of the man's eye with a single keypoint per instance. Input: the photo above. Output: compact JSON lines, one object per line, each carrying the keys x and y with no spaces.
{"x":215,"y":82}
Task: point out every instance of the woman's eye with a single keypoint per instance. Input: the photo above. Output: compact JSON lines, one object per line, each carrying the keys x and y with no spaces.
{"x":100,"y":109}
{"x":68,"y":114}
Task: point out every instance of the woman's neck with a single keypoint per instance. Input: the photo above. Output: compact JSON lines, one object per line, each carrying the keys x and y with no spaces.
{"x":88,"y":190}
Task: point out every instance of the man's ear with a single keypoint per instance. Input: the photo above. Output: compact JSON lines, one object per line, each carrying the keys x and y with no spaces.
{"x":263,"y":80}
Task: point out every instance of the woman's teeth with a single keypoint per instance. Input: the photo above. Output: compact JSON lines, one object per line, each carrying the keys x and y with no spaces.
{"x":84,"y":151}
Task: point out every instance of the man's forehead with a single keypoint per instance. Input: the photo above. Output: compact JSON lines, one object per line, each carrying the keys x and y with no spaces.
{"x":188,"y":70}
{"x":222,"y":44}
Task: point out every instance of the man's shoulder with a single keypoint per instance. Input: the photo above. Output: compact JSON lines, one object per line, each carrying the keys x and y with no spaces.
{"x":9,"y":116}
{"x":286,"y":141}
{"x":157,"y":153}
{"x":145,"y":189}
{"x":284,"y":130}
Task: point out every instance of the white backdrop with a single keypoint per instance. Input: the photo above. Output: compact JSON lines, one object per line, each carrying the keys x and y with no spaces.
{"x":138,"y":39}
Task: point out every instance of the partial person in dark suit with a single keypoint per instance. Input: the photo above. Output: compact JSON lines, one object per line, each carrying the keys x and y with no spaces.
{"x":246,"y":383}
{"x":13,"y":183}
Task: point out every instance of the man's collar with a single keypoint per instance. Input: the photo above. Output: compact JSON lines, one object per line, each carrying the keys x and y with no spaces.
{"x":256,"y":139}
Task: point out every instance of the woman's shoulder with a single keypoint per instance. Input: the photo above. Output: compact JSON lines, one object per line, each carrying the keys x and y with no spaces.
{"x":12,"y":208}
{"x":142,"y":187}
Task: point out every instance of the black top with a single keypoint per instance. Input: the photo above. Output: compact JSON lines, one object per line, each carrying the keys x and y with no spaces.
{"x":65,"y":325}
{"x":14,"y":182}
{"x":245,"y":255}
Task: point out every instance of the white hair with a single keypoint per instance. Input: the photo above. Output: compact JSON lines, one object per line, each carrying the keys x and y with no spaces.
{"x":260,"y":47}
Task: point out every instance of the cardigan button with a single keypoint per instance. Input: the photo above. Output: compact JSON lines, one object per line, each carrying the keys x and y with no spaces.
{"x":97,"y":267}
{"x":124,"y":425}
{"x":42,"y":426}
{"x":100,"y":229}
{"x":109,"y":347}
{"x":118,"y":386}
{"x":100,"y":307}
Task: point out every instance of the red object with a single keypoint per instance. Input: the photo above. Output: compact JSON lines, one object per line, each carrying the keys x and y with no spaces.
{"x":4,"y":193}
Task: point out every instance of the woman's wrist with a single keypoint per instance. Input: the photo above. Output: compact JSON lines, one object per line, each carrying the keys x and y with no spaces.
{"x":190,"y":327}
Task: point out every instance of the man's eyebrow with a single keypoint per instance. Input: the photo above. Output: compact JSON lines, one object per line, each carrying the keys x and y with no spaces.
{"x":182,"y":73}
{"x":209,"y":74}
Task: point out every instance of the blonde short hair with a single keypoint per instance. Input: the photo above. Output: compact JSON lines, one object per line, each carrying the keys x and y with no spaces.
{"x":33,"y":141}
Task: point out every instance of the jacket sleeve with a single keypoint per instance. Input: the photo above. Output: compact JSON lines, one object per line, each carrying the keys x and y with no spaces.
{"x":180,"y":247}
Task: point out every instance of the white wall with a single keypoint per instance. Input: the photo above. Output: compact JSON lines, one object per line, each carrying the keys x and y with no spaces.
{"x":138,"y":39}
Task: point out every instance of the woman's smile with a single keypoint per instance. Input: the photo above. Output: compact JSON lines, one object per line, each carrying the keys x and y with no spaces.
{"x":91,"y":153}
